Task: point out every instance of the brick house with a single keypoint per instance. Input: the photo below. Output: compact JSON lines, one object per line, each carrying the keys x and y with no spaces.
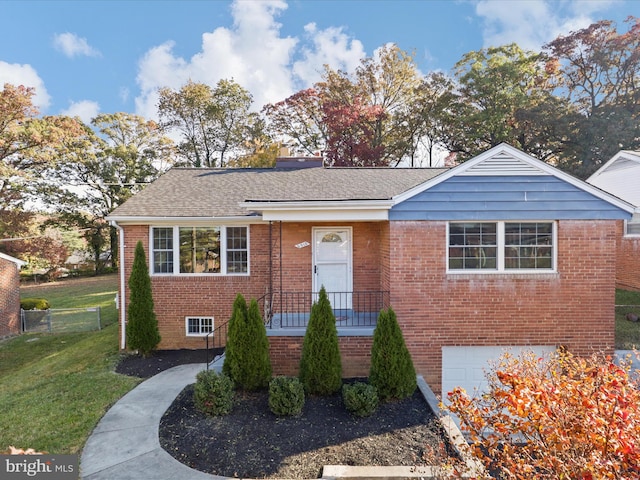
{"x":9,"y":295}
{"x":500,"y":251}
{"x":620,"y":176}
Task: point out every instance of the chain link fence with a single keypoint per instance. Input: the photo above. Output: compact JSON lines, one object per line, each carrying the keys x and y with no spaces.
{"x":61,"y":320}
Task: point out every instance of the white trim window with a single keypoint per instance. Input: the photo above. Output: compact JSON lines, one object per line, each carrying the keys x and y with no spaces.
{"x":484,"y":247}
{"x":632,"y":227}
{"x":200,"y":250}
{"x":198,"y":326}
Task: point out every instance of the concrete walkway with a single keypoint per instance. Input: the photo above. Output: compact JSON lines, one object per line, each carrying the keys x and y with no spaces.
{"x":125,"y":444}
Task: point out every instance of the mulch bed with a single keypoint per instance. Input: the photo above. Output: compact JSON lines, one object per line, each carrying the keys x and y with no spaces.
{"x":252,"y":442}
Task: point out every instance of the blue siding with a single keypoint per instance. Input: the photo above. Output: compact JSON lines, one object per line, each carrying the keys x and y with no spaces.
{"x":540,"y":197}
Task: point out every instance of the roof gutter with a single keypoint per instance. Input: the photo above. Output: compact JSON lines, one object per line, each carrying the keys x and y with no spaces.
{"x":122,"y":298}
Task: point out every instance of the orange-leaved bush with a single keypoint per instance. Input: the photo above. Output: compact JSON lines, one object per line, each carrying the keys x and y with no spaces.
{"x":557,"y":417}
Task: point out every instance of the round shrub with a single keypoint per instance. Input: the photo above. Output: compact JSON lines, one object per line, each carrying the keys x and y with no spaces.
{"x":213,"y":393}
{"x":286,"y":396}
{"x":361,"y":399}
{"x":34,"y":304}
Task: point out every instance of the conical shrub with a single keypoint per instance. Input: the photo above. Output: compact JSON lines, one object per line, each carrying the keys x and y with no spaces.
{"x":142,"y":325}
{"x":392,"y":371}
{"x":254,"y":363}
{"x":239,"y":312}
{"x":320,"y":364}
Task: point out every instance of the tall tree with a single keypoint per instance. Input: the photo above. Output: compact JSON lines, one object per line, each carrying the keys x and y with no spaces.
{"x":213,"y":122}
{"x":28,"y":145}
{"x":103,"y":169}
{"x":597,"y":69}
{"x":501,"y":96}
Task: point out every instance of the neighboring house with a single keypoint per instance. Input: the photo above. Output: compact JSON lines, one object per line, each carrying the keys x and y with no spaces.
{"x":9,"y":295}
{"x":620,"y":176}
{"x":500,"y":251}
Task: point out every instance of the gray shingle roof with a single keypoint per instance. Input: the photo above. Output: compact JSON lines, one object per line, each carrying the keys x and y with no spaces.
{"x":190,"y":192}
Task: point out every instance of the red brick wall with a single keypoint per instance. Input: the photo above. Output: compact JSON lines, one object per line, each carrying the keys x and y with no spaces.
{"x":355,"y":353}
{"x":573,"y":307}
{"x":628,"y":260}
{"x":176,"y":297}
{"x":9,"y":298}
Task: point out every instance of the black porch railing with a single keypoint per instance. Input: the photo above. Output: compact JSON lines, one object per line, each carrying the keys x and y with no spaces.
{"x":291,"y":310}
{"x":351,"y":309}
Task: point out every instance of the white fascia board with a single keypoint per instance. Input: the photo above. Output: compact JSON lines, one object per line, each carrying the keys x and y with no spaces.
{"x":626,"y":154}
{"x":356,"y":210}
{"x":325,"y":215}
{"x":9,"y":258}
{"x":191,"y":221}
{"x":525,"y":157}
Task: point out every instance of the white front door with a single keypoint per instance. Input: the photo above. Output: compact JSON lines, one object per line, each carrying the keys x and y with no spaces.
{"x":332,"y":264}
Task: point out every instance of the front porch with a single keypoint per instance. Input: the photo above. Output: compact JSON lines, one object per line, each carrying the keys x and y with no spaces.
{"x":287,"y":313}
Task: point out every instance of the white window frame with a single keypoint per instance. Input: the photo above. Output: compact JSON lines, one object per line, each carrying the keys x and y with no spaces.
{"x":635,"y":221}
{"x":500,"y":244}
{"x":200,"y":319}
{"x":176,"y":251}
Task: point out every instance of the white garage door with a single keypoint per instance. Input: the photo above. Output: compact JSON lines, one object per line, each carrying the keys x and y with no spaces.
{"x":466,"y":366}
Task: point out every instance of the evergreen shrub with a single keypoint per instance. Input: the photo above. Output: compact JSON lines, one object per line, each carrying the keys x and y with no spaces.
{"x":286,"y":396}
{"x":254,"y":363}
{"x":239,"y":312}
{"x":142,"y":324}
{"x":392,"y":371}
{"x":360,"y":398}
{"x":213,"y":393}
{"x":320,"y":364}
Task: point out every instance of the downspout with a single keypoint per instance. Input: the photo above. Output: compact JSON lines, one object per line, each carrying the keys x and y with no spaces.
{"x":122,"y":298}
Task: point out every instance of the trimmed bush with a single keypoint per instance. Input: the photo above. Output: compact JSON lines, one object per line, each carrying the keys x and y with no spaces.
{"x":254,"y":363}
{"x":34,"y":304}
{"x":392,"y":371}
{"x":320,"y":364}
{"x":239,"y":312}
{"x":213,"y":393}
{"x":360,"y":398}
{"x":286,"y":396}
{"x":142,"y":324}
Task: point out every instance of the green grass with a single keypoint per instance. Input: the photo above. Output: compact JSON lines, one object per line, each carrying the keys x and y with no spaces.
{"x":55,"y":388}
{"x":627,"y":333}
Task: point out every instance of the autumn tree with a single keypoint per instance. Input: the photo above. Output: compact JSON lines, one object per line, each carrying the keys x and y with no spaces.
{"x":299,"y":120}
{"x":28,"y":145}
{"x":213,"y":122}
{"x":357,"y":118}
{"x":502,"y":96}
{"x":106,"y":166}
{"x":557,"y":417}
{"x":597,"y":69}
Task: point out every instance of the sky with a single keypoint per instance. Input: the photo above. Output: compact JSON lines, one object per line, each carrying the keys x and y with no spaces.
{"x":105,"y":56}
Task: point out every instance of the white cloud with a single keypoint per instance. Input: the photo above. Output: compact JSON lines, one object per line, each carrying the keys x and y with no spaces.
{"x":253,"y":53}
{"x":26,"y":75}
{"x":328,"y":47}
{"x":85,"y":109}
{"x":533,"y":23}
{"x":73,"y":46}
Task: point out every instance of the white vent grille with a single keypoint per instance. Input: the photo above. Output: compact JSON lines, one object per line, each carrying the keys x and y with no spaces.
{"x":503,"y":164}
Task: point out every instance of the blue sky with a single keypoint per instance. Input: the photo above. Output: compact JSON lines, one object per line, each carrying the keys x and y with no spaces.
{"x":90,"y":57}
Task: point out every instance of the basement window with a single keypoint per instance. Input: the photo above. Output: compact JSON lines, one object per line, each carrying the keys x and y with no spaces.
{"x":198,"y":326}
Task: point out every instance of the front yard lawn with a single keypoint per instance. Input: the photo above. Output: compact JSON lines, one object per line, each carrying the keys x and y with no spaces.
{"x":627,"y":333}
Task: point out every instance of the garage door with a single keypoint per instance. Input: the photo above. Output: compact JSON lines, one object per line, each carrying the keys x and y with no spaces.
{"x":466,"y":366}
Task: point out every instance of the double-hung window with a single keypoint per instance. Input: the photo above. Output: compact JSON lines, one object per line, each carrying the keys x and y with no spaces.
{"x":501,"y":246}
{"x":200,"y":250}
